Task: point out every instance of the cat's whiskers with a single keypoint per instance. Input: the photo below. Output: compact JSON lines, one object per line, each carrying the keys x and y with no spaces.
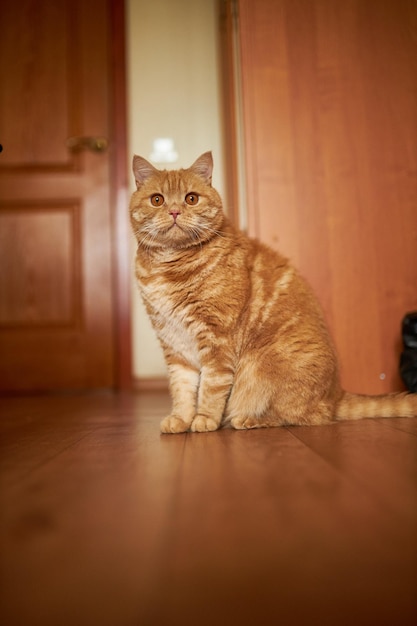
{"x":204,"y":228}
{"x":148,"y":237}
{"x":215,"y":232}
{"x":195,"y":235}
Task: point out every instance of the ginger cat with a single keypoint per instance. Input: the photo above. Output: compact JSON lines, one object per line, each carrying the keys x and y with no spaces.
{"x":243,"y":335}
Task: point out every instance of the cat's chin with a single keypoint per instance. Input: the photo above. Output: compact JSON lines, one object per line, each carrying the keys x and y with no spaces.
{"x":179,"y":237}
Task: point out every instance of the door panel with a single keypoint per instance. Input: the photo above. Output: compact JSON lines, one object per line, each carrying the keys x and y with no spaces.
{"x":36,"y":67}
{"x":330,"y":118}
{"x":39,"y":288}
{"x":56,"y":292}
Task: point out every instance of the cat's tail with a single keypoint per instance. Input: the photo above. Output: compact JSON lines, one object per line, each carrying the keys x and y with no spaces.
{"x":355,"y":407}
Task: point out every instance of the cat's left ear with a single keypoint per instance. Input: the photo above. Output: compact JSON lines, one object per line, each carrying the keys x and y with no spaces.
{"x":142,"y":170}
{"x":204,"y":167}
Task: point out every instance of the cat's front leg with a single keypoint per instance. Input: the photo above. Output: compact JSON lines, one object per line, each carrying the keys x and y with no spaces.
{"x":183,"y":382}
{"x":214,"y":389}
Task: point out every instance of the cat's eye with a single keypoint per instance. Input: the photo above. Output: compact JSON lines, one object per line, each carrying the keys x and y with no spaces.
{"x":157,"y":199}
{"x":192,"y":198}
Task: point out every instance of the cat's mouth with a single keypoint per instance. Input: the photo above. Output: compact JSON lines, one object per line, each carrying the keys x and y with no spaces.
{"x":175,"y":231}
{"x":174,"y":226}
{"x":180,"y":235}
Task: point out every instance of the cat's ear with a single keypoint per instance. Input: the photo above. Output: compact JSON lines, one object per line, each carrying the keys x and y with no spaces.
{"x":204,"y":167}
{"x":142,"y":170}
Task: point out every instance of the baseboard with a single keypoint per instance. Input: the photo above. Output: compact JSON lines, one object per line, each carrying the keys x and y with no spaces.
{"x":150,"y":384}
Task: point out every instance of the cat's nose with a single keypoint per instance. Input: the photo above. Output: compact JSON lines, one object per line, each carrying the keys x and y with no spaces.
{"x":175,"y":214}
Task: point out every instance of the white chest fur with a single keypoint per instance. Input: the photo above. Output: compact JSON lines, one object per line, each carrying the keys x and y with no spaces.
{"x":172,"y":326}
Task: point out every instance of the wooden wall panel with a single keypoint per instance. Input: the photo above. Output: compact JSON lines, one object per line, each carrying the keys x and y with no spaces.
{"x":330,"y":115}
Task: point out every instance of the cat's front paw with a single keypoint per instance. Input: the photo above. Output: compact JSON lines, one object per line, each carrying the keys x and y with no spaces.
{"x":174,"y":424}
{"x":244,"y":423}
{"x":203,"y":424}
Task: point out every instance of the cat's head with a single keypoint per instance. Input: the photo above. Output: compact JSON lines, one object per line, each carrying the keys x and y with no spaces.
{"x":175,"y":209}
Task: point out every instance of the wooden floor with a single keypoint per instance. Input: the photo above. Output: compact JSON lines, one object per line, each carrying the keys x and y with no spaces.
{"x":106,"y":522}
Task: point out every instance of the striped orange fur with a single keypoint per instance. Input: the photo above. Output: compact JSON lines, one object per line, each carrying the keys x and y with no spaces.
{"x":243,"y":335}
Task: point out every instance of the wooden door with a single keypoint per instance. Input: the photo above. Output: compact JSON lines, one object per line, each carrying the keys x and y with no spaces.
{"x":330,"y":123}
{"x":57,"y":288}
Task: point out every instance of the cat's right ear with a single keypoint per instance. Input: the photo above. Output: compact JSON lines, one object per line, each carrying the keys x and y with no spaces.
{"x":142,"y":170}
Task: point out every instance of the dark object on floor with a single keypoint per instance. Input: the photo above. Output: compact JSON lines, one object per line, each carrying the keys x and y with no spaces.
{"x":408,"y":359}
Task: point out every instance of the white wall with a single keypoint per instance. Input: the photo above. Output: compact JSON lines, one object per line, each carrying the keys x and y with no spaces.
{"x":174,"y":91}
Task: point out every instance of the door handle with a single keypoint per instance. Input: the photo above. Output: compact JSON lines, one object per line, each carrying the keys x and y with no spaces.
{"x":94,"y":144}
